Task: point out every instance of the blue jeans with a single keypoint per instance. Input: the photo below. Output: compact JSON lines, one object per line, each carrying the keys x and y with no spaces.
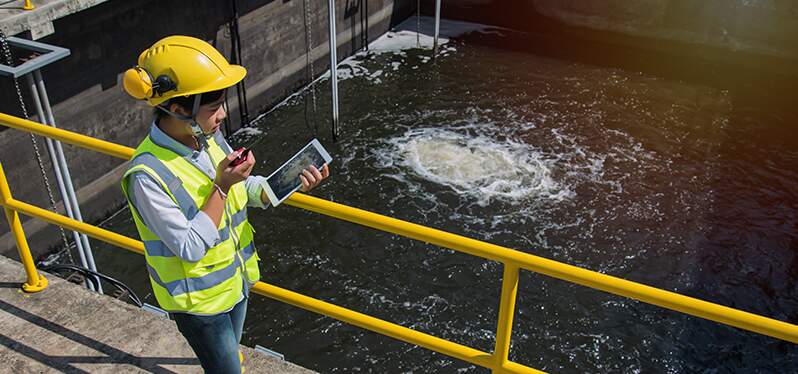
{"x":215,"y":339}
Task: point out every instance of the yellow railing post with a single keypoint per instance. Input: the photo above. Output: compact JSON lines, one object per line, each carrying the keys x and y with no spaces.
{"x":504,"y":328}
{"x":36,"y":282}
{"x":28,"y":5}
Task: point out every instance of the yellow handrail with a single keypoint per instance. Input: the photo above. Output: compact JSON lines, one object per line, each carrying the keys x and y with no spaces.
{"x":386,"y":328}
{"x":35,"y":282}
{"x":574,"y":274}
{"x":513,"y":261}
{"x":383,"y":327}
{"x":83,"y":141}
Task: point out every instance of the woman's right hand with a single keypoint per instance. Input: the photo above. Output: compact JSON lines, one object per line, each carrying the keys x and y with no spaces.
{"x":228,"y":175}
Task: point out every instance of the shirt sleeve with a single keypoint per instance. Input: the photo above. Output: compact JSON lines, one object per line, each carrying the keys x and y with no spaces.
{"x":254,"y":184}
{"x":187,"y":239}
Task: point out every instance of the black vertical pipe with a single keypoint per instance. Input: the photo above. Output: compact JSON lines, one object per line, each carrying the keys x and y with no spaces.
{"x":235,"y":57}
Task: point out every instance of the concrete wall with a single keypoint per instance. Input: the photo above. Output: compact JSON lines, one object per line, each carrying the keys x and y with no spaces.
{"x":751,"y":34}
{"x":106,"y":39}
{"x":767,"y":27}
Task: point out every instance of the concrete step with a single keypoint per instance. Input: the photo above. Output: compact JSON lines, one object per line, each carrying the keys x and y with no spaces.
{"x":67,"y":328}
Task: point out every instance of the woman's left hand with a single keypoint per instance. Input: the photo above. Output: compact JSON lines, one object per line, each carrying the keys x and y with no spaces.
{"x":312,"y":177}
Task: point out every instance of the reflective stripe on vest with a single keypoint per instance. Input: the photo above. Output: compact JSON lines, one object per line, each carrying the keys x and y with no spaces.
{"x":219,"y":139}
{"x":212,"y":284}
{"x":158,"y":248}
{"x":173,"y":184}
{"x":181,"y":286}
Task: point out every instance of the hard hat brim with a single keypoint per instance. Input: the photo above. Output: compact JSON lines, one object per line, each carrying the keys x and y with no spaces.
{"x":232,"y":75}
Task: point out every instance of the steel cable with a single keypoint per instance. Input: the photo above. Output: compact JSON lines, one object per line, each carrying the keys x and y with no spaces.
{"x":10,"y":61}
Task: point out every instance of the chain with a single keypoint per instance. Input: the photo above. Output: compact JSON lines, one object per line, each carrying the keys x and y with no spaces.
{"x":10,"y":61}
{"x":309,"y":63}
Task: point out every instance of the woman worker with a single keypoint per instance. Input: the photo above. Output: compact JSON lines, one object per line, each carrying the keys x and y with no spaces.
{"x":190,"y":203}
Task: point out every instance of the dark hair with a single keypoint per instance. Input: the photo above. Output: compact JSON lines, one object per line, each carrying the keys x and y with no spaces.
{"x":187,"y":102}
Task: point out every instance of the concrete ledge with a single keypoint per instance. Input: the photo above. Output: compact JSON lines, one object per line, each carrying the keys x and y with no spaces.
{"x":67,"y":328}
{"x":39,"y":21}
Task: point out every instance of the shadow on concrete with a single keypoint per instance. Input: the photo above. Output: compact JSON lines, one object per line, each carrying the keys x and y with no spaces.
{"x":10,"y":285}
{"x":38,"y":356}
{"x":64,"y":363}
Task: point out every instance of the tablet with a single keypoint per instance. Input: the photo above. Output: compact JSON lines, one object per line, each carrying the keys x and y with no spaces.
{"x":285,"y":181}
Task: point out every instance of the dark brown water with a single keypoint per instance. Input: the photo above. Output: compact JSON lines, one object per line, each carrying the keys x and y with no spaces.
{"x":685,"y":186}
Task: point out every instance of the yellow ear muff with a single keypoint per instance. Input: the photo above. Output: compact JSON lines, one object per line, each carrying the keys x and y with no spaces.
{"x":137,"y":83}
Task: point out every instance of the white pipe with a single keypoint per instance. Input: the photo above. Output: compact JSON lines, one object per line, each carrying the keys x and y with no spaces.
{"x":58,"y":176}
{"x":70,"y":189}
{"x":334,"y":68}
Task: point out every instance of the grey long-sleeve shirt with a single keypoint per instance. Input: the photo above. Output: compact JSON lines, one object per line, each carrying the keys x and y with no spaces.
{"x":187,"y":239}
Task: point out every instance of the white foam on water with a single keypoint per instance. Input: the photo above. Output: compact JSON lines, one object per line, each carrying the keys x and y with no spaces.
{"x":417,"y":32}
{"x":403,"y":37}
{"x":476,"y":165}
{"x":248,"y":131}
{"x":351,"y":68}
{"x":402,"y":40}
{"x":407,"y":36}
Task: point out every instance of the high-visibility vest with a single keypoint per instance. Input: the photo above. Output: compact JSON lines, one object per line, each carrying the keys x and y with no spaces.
{"x":214,"y":283}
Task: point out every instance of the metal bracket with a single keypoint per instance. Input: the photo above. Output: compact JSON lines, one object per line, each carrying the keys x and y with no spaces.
{"x":269,"y":352}
{"x":155,"y":310}
{"x":47,"y":55}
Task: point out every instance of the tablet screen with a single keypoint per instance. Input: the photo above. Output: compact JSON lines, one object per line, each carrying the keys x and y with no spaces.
{"x":285,"y":180}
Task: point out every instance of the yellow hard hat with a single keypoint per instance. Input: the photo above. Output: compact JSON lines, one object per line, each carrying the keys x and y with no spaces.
{"x":180,"y":66}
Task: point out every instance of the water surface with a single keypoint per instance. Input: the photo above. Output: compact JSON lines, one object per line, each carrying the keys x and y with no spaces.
{"x":678,"y":185}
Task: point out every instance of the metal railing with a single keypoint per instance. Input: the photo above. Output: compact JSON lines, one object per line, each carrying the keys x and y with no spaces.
{"x":512,"y":260}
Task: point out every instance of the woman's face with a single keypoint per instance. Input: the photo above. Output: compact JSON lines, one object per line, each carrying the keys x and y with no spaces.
{"x":211,"y":115}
